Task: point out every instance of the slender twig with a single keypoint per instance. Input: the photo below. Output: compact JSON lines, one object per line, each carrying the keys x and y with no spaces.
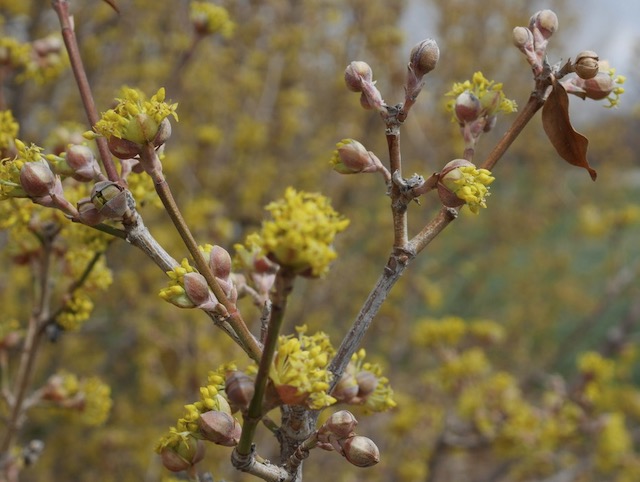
{"x":398,"y":205}
{"x":68,"y":34}
{"x":283,"y":286}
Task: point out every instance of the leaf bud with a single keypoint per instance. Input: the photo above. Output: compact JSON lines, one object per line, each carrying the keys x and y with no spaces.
{"x":351,"y":157}
{"x":522,"y":37}
{"x":239,"y":388}
{"x":83,"y":162}
{"x":220,"y":262}
{"x":341,"y":424}
{"x":197,"y":289}
{"x":37,"y":179}
{"x":424,"y":57}
{"x":356,"y":73}
{"x":467,"y":107}
{"x":220,"y":428}
{"x":360,"y":451}
{"x":546,"y":21}
{"x":586,"y":64}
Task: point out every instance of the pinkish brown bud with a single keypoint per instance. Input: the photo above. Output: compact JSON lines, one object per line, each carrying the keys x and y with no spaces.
{"x":196,"y":288}
{"x":346,"y":389}
{"x":598,"y":87}
{"x":37,"y":179}
{"x":467,"y":107}
{"x":123,"y":148}
{"x":446,"y":182}
{"x":163,"y":134}
{"x":239,"y":388}
{"x":522,"y":37}
{"x":220,"y":262}
{"x":367,"y":383}
{"x":88,"y":212}
{"x":220,"y":428}
{"x":424,"y":57}
{"x":356,"y":73}
{"x":546,"y":21}
{"x":586,"y":64}
{"x":341,"y":424}
{"x":81,"y":159}
{"x":183,"y":456}
{"x":360,"y":451}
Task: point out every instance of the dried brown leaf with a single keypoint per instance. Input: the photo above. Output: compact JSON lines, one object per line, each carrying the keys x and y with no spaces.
{"x":570,"y":145}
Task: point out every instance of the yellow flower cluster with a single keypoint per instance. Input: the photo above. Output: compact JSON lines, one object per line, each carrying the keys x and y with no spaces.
{"x":46,"y":62}
{"x":299,"y":370}
{"x":598,"y":372}
{"x":13,"y":53}
{"x":10,"y":169}
{"x":89,"y":396}
{"x":76,"y":311}
{"x":614,"y":97}
{"x":452,"y":330}
{"x":135,"y":117}
{"x":471,"y":185}
{"x":596,"y":221}
{"x":302,"y":231}
{"x":212,"y":397}
{"x":174,"y":293}
{"x":210,"y":19}
{"x":8,"y":129}
{"x":381,"y":399}
{"x":489,"y":93}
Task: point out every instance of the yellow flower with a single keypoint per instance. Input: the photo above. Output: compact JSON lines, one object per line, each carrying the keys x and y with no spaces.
{"x":135,"y":118}
{"x":489,"y":93}
{"x":10,"y":169}
{"x":469,"y":184}
{"x":209,"y":19}
{"x":8,"y":129}
{"x":299,"y":371}
{"x":301,"y":233}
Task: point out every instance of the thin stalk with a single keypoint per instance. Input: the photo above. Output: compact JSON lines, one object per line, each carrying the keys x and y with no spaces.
{"x":68,"y":34}
{"x":283,"y":286}
{"x":398,"y":207}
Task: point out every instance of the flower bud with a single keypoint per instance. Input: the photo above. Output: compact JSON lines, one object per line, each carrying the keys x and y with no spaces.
{"x":81,"y":159}
{"x":467,"y":107}
{"x":220,"y":428}
{"x":522,"y":37}
{"x":239,"y":388}
{"x":346,"y":389}
{"x":163,"y":133}
{"x":424,"y":57}
{"x":356,"y":73}
{"x":341,"y":424}
{"x":367,"y":383}
{"x":220,"y":262}
{"x":110,"y":199}
{"x":182,"y":456}
{"x":197,"y":289}
{"x":599,"y":87}
{"x":37,"y":179}
{"x":546,"y":21}
{"x":586,"y":64}
{"x":351,"y":157}
{"x":360,"y":451}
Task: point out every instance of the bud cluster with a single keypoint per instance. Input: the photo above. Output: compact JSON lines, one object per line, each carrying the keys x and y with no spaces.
{"x":359,"y":78}
{"x":422,"y":60}
{"x":259,"y":271}
{"x":337,"y":433}
{"x":532,"y":41}
{"x":604,"y":84}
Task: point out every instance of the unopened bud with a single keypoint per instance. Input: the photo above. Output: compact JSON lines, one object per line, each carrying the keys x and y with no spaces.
{"x":467,"y":107}
{"x":197,"y":289}
{"x":341,"y":424}
{"x":351,"y":157}
{"x":356,"y":73}
{"x":522,"y":37}
{"x":239,"y":388}
{"x":123,"y":148}
{"x":360,"y":451}
{"x":546,"y":21}
{"x":346,"y":389}
{"x":367,"y":383}
{"x":182,"y":456}
{"x":220,"y":428}
{"x":37,"y":179}
{"x":447,"y":185}
{"x":424,"y":57}
{"x":599,"y":87}
{"x":88,"y":212}
{"x":586,"y":64}
{"x":81,"y":159}
{"x":220,"y":262}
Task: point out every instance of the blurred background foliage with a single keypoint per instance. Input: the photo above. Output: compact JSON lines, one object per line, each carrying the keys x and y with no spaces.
{"x":553,"y":261}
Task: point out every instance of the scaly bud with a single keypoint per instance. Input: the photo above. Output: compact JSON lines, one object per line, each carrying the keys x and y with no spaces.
{"x":220,"y":262}
{"x":83,"y":163}
{"x":110,"y":199}
{"x":341,"y":424}
{"x":424,"y":57}
{"x":239,"y":388}
{"x":467,"y":107}
{"x":586,"y":64}
{"x":182,"y":456}
{"x":522,"y":38}
{"x":220,"y":428}
{"x":367,"y":383}
{"x":346,"y":389}
{"x":88,"y":212}
{"x":37,"y":179}
{"x":351,"y":157}
{"x":196,"y":288}
{"x":546,"y":21}
{"x":356,"y":73}
{"x":360,"y":451}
